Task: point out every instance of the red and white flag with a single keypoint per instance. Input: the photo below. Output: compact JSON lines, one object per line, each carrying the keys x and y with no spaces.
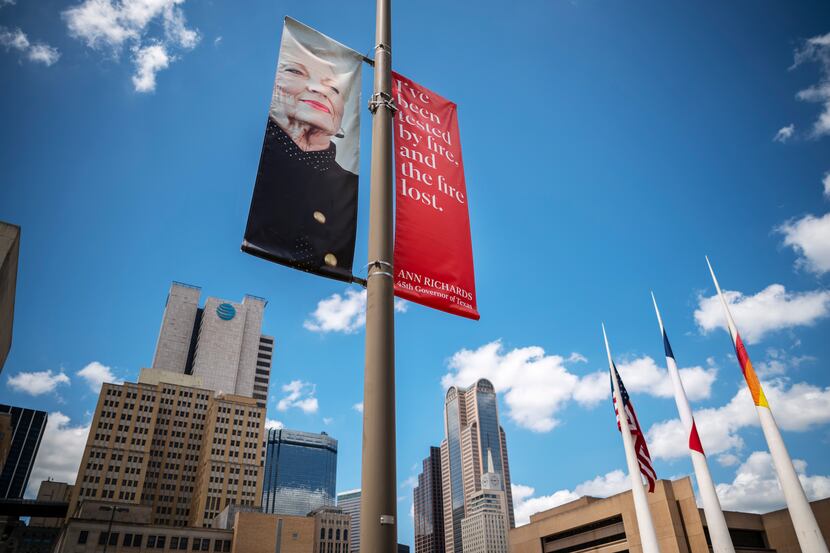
{"x":643,"y":456}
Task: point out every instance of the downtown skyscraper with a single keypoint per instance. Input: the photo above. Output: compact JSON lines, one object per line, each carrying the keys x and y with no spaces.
{"x":186,"y":439}
{"x":220,"y":343}
{"x":428,"y":506}
{"x":300,"y":472}
{"x":472,"y":434}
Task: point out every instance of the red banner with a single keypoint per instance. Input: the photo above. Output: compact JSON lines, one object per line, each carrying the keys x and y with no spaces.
{"x":433,"y":252}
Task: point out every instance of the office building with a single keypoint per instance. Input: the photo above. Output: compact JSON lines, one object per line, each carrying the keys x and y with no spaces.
{"x":485,"y":527}
{"x":349,"y":503}
{"x":609,"y":525}
{"x":51,"y":492}
{"x":428,"y":506}
{"x":220,"y":343}
{"x":471,"y":426}
{"x":300,"y":472}
{"x":26,"y":428}
{"x":331,"y":530}
{"x":168,"y":444}
{"x":9,"y":252}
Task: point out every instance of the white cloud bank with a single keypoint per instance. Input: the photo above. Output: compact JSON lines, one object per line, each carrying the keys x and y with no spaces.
{"x":60,"y":452}
{"x":343,"y":313}
{"x":755,"y":488}
{"x":110,"y":25}
{"x":798,"y":408}
{"x":770,"y":310}
{"x":96,"y":374}
{"x":38,"y":382}
{"x":525,"y":504}
{"x":273,"y":424}
{"x":38,"y":52}
{"x":536,"y":385}
{"x":299,"y":395}
{"x":817,"y":49}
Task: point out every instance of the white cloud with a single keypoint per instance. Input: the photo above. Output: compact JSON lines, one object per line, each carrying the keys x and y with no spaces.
{"x":771,"y":309}
{"x":817,"y":49}
{"x":525,"y":504}
{"x":755,"y":488}
{"x":797,"y":408}
{"x":778,"y":362}
{"x":728,"y":460}
{"x":38,"y":382}
{"x":104,"y":24}
{"x":60,"y":452}
{"x":642,"y":375}
{"x":537,"y":385}
{"x":358,"y":407}
{"x":273,"y":423}
{"x":346,"y":313}
{"x":96,"y":374}
{"x":826,"y":182}
{"x":327,"y":420}
{"x":299,"y":395}
{"x":149,"y":60}
{"x":14,"y":39}
{"x":809,"y":236}
{"x":217,"y":41}
{"x":38,"y":52}
{"x":784,"y":133}
{"x":7,"y":3}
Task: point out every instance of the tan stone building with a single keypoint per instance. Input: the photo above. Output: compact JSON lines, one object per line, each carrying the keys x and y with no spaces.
{"x":609,"y":525}
{"x":132,"y":531}
{"x":51,"y":491}
{"x":267,"y":533}
{"x":331,"y":530}
{"x":181,"y":450}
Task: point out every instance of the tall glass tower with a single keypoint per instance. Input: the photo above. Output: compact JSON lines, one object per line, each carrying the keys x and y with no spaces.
{"x":300,"y":472}
{"x":472,"y":429}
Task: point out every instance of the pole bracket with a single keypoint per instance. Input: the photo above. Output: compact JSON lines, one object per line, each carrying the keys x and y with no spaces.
{"x":382,"y":99}
{"x":378,"y":264}
{"x":385,"y":47}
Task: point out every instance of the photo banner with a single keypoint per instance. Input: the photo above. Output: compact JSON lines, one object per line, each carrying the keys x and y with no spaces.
{"x":433,"y":251}
{"x":304,"y":207}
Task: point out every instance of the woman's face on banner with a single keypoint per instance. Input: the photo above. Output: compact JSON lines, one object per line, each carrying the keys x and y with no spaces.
{"x":309,"y":92}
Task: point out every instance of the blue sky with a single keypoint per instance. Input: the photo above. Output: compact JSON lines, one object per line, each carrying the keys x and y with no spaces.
{"x":608,"y":146}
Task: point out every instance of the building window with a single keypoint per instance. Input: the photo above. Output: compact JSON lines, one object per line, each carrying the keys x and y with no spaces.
{"x":160,"y":542}
{"x":83,"y":535}
{"x":137,"y":540}
{"x":151,"y":542}
{"x":205,"y":544}
{"x":128,"y":540}
{"x":174,"y":542}
{"x":322,"y":533}
{"x":102,"y":538}
{"x":197,"y":544}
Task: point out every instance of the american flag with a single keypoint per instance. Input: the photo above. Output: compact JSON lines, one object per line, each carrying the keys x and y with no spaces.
{"x":640,"y":446}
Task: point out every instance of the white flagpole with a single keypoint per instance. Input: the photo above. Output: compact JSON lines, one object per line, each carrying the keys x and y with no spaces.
{"x":648,"y":537}
{"x":715,"y":521}
{"x":804,"y":521}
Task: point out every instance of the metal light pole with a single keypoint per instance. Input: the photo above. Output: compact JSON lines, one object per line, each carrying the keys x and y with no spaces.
{"x":378,"y":503}
{"x":113,"y":509}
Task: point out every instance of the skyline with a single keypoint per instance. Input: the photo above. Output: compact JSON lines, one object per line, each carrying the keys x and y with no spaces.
{"x":656,"y":134}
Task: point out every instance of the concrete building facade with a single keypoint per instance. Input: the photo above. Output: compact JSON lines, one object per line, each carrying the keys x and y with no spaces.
{"x":428,"y":506}
{"x":609,"y":525}
{"x":221,"y":343}
{"x":181,"y":451}
{"x":471,"y":427}
{"x":9,"y":253}
{"x":26,"y":427}
{"x":349,"y":503}
{"x":51,"y":491}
